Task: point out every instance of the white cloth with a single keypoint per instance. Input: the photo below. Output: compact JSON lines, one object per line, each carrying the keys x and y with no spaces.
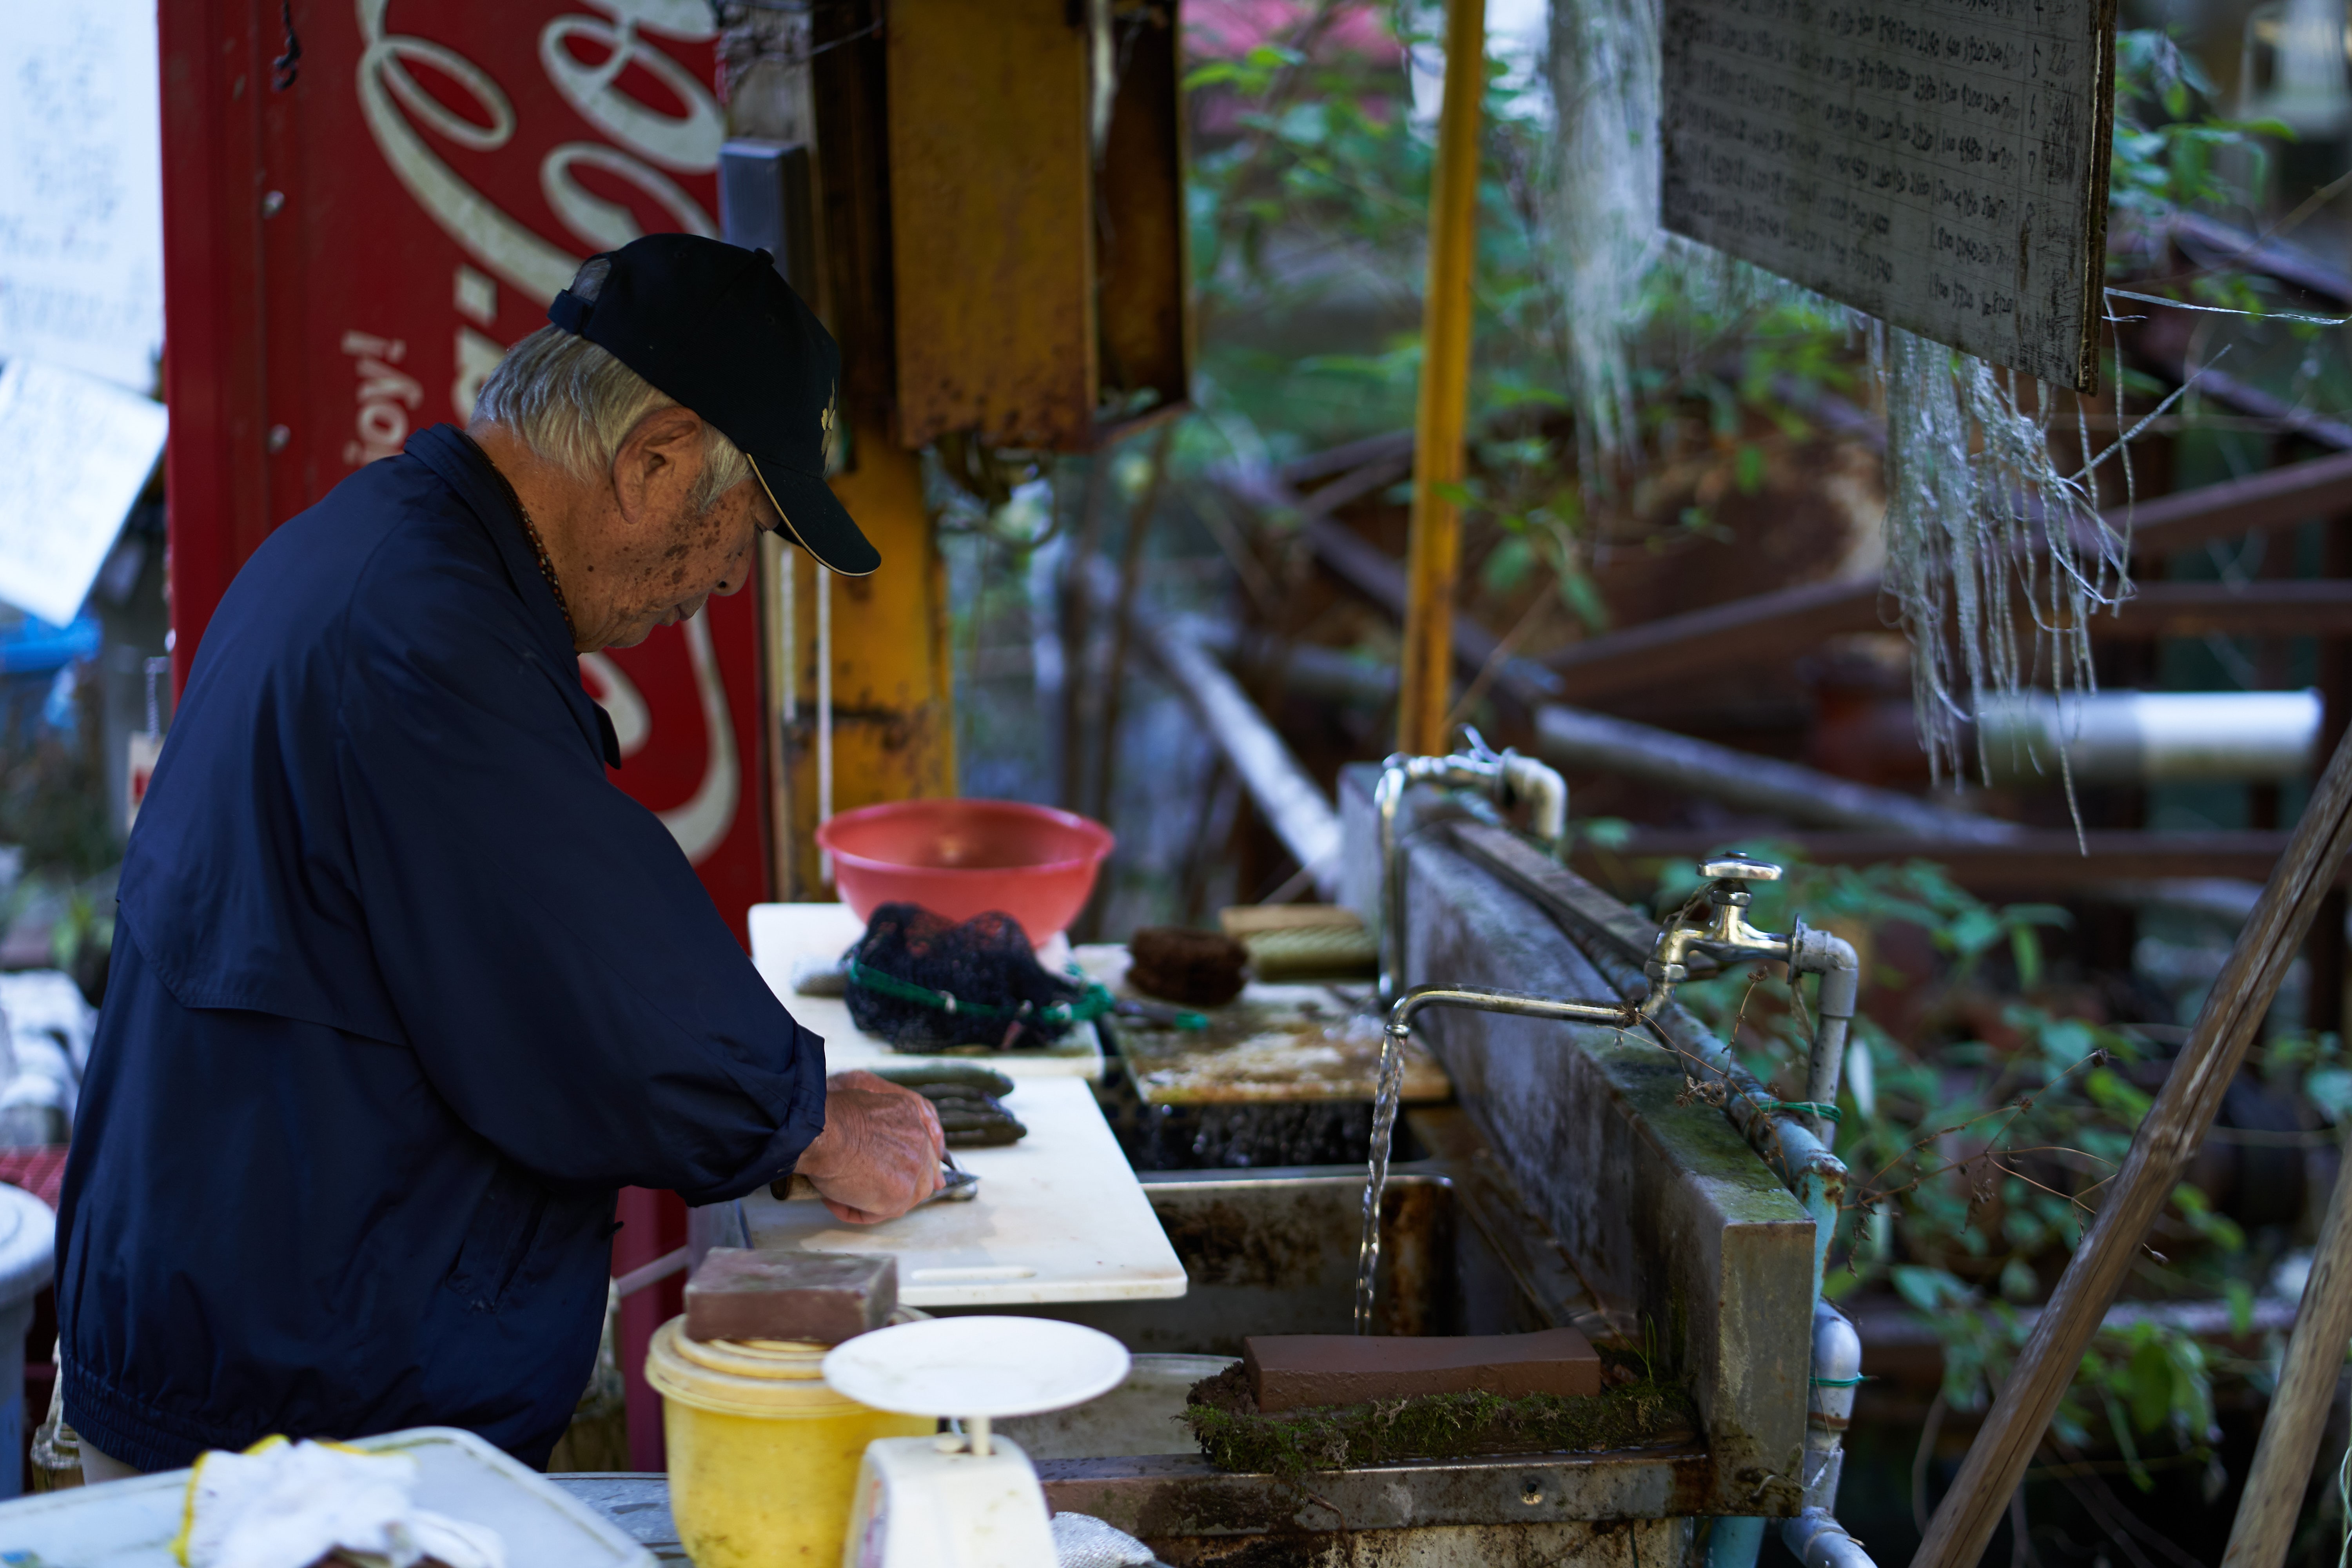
{"x":1082,"y":1541}
{"x":291,"y":1504}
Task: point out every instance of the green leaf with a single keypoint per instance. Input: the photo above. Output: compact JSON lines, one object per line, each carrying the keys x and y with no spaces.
{"x":1508,"y":564}
{"x":1747,"y":468}
{"x":2149,"y":1386}
{"x":1606,"y":832}
{"x":1928,"y":1289}
{"x":2026,"y":947}
{"x":1582,"y":596}
{"x":2330,"y":1089}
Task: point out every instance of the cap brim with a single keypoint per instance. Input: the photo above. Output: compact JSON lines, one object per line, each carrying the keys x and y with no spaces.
{"x":815,"y":520}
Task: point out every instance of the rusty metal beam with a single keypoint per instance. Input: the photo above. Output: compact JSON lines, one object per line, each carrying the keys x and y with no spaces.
{"x":1574,"y":738}
{"x":893,"y":718}
{"x":1291,"y":804}
{"x":1144,"y":249}
{"x":2043,"y":858}
{"x":1782,"y":624}
{"x":992,"y":213}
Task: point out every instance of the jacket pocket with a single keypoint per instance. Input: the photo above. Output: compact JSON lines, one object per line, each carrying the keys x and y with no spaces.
{"x":498,"y":1240}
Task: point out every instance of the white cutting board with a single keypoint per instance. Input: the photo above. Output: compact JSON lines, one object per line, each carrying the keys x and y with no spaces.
{"x":783,"y":933}
{"x":1060,"y":1217}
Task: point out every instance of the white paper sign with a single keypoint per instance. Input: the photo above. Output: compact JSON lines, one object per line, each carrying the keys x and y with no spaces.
{"x":73,"y":454}
{"x":1941,"y":164}
{"x":81,"y":183}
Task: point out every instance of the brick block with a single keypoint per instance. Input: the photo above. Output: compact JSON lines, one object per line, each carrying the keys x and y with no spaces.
{"x":826,"y":1297}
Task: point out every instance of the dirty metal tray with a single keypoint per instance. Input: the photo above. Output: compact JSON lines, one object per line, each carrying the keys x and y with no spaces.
{"x":1271,"y":1045}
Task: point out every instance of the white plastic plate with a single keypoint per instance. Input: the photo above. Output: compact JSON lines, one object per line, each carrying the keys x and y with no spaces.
{"x":977,"y":1366}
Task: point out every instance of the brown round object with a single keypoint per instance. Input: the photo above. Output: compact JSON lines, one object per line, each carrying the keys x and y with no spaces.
{"x":1197,"y":968}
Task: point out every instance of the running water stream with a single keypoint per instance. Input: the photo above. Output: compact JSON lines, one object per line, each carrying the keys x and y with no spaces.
{"x":1385,"y":1116}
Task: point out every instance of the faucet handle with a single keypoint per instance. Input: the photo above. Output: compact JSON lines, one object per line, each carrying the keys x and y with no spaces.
{"x":1739,"y":869}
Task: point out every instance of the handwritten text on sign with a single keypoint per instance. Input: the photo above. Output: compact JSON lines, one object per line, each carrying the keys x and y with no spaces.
{"x":1941,"y":164}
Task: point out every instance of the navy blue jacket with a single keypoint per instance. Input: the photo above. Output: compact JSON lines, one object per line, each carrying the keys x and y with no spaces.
{"x":404,"y":989}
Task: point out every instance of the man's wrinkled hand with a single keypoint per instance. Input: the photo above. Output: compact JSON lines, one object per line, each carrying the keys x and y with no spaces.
{"x":880,"y":1153}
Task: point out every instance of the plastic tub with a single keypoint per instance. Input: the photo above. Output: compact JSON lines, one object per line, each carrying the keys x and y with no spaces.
{"x":28,"y":1240}
{"x":132,"y":1523}
{"x":966,"y":858}
{"x":763,"y":1454}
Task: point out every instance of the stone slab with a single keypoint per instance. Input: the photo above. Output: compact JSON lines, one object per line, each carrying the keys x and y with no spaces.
{"x":1292,"y":1372}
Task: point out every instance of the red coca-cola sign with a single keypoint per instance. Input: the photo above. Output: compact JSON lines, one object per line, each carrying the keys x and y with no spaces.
{"x":362,"y":209}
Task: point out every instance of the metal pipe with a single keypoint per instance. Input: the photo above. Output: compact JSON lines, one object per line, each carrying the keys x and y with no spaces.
{"x":1433,"y":550}
{"x":1806,"y":796}
{"x":1733,"y":1542}
{"x":1833,"y":959}
{"x":1829,"y":1409}
{"x":2154,"y":736}
{"x":1546,"y":794}
{"x":1291,"y":802}
{"x":1505,"y":775}
{"x":1519,"y":1003}
{"x":1819,"y":1541}
{"x":1815,"y":1536}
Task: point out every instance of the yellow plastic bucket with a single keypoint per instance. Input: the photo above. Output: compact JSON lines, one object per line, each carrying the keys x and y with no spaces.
{"x":762,"y":1455}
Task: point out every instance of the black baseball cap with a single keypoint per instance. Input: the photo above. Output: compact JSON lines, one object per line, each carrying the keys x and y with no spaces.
{"x":717,"y":327}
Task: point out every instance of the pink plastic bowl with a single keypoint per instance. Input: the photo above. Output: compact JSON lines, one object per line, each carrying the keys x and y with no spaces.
{"x":964,"y":858}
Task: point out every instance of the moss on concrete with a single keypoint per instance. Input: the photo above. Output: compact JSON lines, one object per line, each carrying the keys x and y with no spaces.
{"x":1637,"y":1411}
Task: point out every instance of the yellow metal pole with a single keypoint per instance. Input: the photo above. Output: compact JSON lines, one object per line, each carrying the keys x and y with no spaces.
{"x":1434,"y":555}
{"x":893,"y":701}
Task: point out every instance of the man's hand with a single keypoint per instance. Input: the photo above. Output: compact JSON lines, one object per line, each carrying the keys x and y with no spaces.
{"x":878,"y":1155}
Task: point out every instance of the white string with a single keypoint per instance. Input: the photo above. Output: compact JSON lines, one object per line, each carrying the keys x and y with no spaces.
{"x":2226,"y":310}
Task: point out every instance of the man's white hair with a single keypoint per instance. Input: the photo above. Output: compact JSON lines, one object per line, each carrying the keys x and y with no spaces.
{"x":574,"y":404}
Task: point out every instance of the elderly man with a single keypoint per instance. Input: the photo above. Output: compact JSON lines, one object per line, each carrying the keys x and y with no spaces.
{"x":404,"y":989}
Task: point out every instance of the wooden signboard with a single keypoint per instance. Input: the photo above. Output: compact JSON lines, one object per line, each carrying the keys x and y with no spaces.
{"x":1941,"y":164}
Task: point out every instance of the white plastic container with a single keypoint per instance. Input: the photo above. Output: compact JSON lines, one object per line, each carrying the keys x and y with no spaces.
{"x":130,"y":1524}
{"x":28,"y":1239}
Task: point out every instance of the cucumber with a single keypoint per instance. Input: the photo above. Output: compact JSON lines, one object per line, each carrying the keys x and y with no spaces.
{"x":989,"y":1135}
{"x":945,"y":1075}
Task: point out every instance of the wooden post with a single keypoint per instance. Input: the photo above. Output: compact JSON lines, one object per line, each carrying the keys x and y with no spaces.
{"x":2324,"y":1004}
{"x":2299,"y":1413}
{"x":2160,"y":1151}
{"x":1434,"y":553}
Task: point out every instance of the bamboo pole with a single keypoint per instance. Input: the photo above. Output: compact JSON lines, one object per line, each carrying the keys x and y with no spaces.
{"x":2160,"y":1151}
{"x":2267,"y":1512}
{"x":1434,"y":555}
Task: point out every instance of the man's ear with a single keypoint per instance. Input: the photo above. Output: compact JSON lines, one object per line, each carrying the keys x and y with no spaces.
{"x":659,"y":464}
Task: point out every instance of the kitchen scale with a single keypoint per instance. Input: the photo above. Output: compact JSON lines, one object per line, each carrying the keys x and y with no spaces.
{"x":968,"y":1499}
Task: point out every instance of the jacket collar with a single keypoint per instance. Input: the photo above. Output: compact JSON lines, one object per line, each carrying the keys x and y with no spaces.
{"x":464,"y":468}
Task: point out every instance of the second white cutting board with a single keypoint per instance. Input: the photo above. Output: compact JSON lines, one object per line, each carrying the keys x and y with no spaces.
{"x":1060,"y":1217}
